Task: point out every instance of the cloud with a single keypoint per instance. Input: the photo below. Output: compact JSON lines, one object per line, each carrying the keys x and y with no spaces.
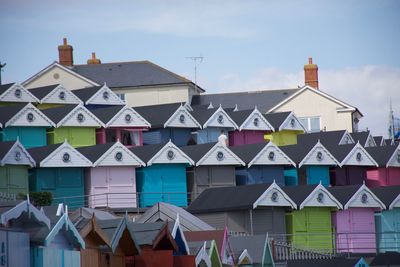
{"x":369,"y":88}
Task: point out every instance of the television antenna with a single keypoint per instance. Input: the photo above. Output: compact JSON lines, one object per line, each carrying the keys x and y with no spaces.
{"x":196,"y":60}
{"x":1,"y":69}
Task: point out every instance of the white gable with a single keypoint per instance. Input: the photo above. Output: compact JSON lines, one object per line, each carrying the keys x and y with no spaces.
{"x":358,"y":156}
{"x":118,"y":155}
{"x":370,"y":141}
{"x":274,"y":196}
{"x":292,"y":123}
{"x":127,"y":117}
{"x":394,"y":160}
{"x":395,"y":203}
{"x":321,"y":197}
{"x":220,"y":155}
{"x":245,"y":258}
{"x":256,"y":121}
{"x":182,"y":119}
{"x":220,"y":119}
{"x":105,"y":96}
{"x":271,"y":155}
{"x":170,"y":153}
{"x":65,"y":156}
{"x":17,"y":155}
{"x":17,"y":93}
{"x":80,"y":117}
{"x":61,"y":95}
{"x":319,"y":155}
{"x":346,"y":139}
{"x":30,"y":116}
{"x":364,"y":198}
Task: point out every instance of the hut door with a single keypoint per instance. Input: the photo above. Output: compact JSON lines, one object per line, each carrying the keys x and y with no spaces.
{"x":122,"y":187}
{"x":18,"y":181}
{"x":99,"y":194}
{"x":173,"y":180}
{"x":300,"y":228}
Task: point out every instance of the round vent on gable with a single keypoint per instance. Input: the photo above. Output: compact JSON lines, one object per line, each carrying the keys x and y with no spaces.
{"x":80,"y":117}
{"x":17,"y":156}
{"x":274,"y":197}
{"x":66,"y":157}
{"x":170,"y":155}
{"x":220,"y":156}
{"x":128,"y":117}
{"x":182,"y":118}
{"x":320,"y":156}
{"x":118,"y":156}
{"x":220,"y":119}
{"x":320,"y":197}
{"x":18,"y":93}
{"x":271,"y":156}
{"x":346,"y":140}
{"x":364,"y":198}
{"x":359,"y":156}
{"x":106,"y":95}
{"x":398,"y":157}
{"x":256,"y":121}
{"x":30,"y":117}
{"x":61,"y":95}
{"x":56,"y":76}
{"x":292,"y":123}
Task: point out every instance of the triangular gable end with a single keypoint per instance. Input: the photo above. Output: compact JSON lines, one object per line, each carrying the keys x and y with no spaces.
{"x":127,"y":117}
{"x":80,"y":117}
{"x":320,"y":197}
{"x":292,"y":123}
{"x":118,"y":155}
{"x":245,"y":258}
{"x":177,"y":233}
{"x":319,"y":155}
{"x":346,"y":139}
{"x":358,"y":156}
{"x":220,"y":119}
{"x":17,"y":155}
{"x":17,"y":93}
{"x":30,"y":116}
{"x":256,"y":121}
{"x":274,"y":196}
{"x":370,"y":142}
{"x":170,"y":154}
{"x":394,"y":160}
{"x":105,"y":96}
{"x":202,"y":256}
{"x":61,"y":95}
{"x":220,"y":155}
{"x":123,"y":226}
{"x":364,"y":198}
{"x":271,"y":155}
{"x":182,"y":119}
{"x":395,"y":203}
{"x":65,"y":156}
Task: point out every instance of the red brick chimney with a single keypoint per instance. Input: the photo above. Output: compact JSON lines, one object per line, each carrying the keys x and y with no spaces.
{"x":93,"y":60}
{"x":311,"y":74}
{"x":65,"y":54}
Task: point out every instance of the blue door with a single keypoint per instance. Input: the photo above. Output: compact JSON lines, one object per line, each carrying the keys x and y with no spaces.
{"x":317,"y":174}
{"x":291,"y":177}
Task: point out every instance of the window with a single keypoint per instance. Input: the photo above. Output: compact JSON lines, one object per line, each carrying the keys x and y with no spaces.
{"x":312,"y":124}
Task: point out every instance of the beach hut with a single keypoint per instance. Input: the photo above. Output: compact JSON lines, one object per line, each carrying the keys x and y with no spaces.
{"x":286,"y":128}
{"x":339,"y":137}
{"x":252,"y":250}
{"x":355,"y":224}
{"x":212,"y":121}
{"x":121,"y":123}
{"x":249,"y":209}
{"x":365,"y":138}
{"x":252,"y":127}
{"x":164,"y":177}
{"x":354,"y":161}
{"x":206,"y":253}
{"x":214,"y":167}
{"x":98,"y":96}
{"x":265,"y":163}
{"x":313,"y":161}
{"x":53,"y":96}
{"x":59,"y":170}
{"x":74,"y":123}
{"x":111,"y":181}
{"x":388,"y":170}
{"x":387,"y":221}
{"x":379,"y":140}
{"x":25,"y":123}
{"x":168,"y":122}
{"x":310,"y":226}
{"x":14,"y":164}
{"x":58,"y":246}
{"x":13,"y":93}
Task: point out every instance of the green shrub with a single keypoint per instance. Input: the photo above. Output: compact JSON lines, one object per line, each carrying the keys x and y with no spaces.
{"x":41,"y":199}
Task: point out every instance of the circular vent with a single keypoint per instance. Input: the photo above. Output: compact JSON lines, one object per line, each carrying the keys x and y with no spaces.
{"x":319,"y":156}
{"x":30,"y":117}
{"x":359,"y":156}
{"x":292,"y":123}
{"x":106,"y":95}
{"x":182,"y":118}
{"x":66,"y":157}
{"x":220,"y":156}
{"x":18,"y":93}
{"x":271,"y":155}
{"x":220,"y":119}
{"x":128,"y":117}
{"x":274,"y":197}
{"x":61,"y":95}
{"x":17,"y":156}
{"x":170,"y":155}
{"x":320,"y":197}
{"x":256,"y":121}
{"x":364,"y":198}
{"x":118,"y":156}
{"x":80,"y":117}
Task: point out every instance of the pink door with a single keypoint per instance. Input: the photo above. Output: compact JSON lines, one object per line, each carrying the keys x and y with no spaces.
{"x":254,"y":137}
{"x":341,"y":222}
{"x":393,"y":176}
{"x":98,"y":187}
{"x":363,"y":229}
{"x":122,"y":187}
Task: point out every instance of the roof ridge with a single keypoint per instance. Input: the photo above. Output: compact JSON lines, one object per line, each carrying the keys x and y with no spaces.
{"x":252,"y":91}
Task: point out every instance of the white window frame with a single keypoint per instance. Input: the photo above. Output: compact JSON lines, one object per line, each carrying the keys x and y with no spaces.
{"x":308,"y":126}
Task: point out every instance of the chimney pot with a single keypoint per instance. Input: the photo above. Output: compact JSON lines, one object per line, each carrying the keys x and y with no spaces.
{"x":93,"y":60}
{"x":311,"y":74}
{"x":65,"y":41}
{"x":310,"y":60}
{"x":65,"y":53}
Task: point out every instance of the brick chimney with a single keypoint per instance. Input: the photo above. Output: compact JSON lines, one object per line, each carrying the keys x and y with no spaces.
{"x":93,"y":60}
{"x":65,"y":54}
{"x":311,"y":74}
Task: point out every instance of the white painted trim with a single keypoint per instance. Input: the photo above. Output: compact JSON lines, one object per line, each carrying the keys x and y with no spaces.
{"x":24,"y":206}
{"x":276,"y":187}
{"x":316,"y":146}
{"x":289,"y":117}
{"x":18,"y":144}
{"x":63,"y":221}
{"x":177,"y":227}
{"x":36,"y":100}
{"x":203,"y":255}
{"x":256,"y":111}
{"x":346,"y":133}
{"x":317,"y":91}
{"x":56,"y":64}
{"x":396,"y":151}
{"x":220,"y":109}
{"x":29,"y":105}
{"x":245,"y":254}
{"x":170,"y":145}
{"x":270,"y":144}
{"x":226,"y":149}
{"x":86,"y":161}
{"x":125,"y":149}
{"x":312,"y":195}
{"x":104,"y":87}
{"x":145,"y":122}
{"x":44,"y":99}
{"x":67,"y":117}
{"x":185,"y":110}
{"x":395,"y":203}
{"x":364,"y":187}
{"x":352,"y":152}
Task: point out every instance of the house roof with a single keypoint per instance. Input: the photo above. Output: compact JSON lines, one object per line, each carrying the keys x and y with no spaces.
{"x":129,"y":74}
{"x":382,"y":154}
{"x":332,"y":138}
{"x":5,"y":87}
{"x":57,"y":114}
{"x":93,"y":153}
{"x":387,"y":194}
{"x":254,"y":245}
{"x":158,"y":115}
{"x":197,"y":152}
{"x":299,"y":193}
{"x":202,"y":114}
{"x":227,"y":198}
{"x":248,"y":152}
{"x":40,"y":92}
{"x":361,"y":137}
{"x":8,"y":112}
{"x":334,"y":262}
{"x":168,"y":212}
{"x":276,"y":119}
{"x":105,"y":114}
{"x":344,"y":193}
{"x":297,"y":152}
{"x":264,"y":100}
{"x":40,"y":153}
{"x":85,"y":94}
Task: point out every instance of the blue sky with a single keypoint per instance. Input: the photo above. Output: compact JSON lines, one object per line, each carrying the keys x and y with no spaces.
{"x":247,"y":45}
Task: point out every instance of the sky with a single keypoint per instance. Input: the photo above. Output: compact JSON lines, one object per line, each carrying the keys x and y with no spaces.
{"x":247,"y":45}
